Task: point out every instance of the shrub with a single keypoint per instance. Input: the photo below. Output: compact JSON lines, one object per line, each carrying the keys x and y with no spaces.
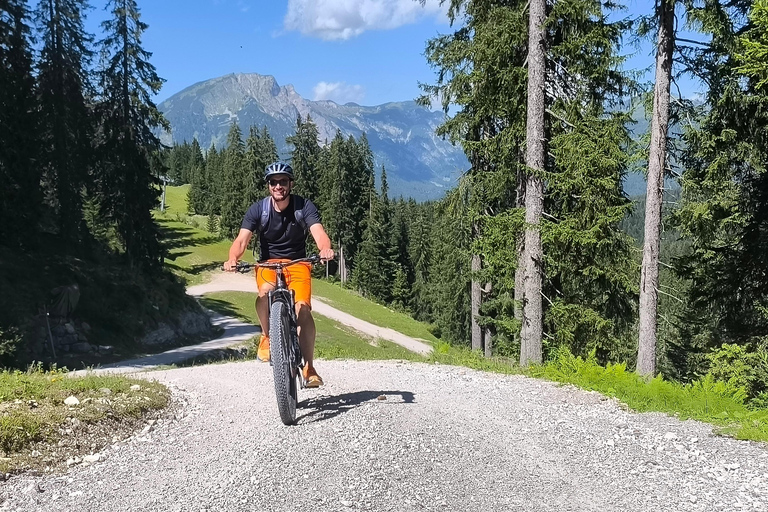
{"x":742,"y":367}
{"x":10,"y":341}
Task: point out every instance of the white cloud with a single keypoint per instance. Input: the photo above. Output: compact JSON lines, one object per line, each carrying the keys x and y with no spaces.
{"x":339,"y":92}
{"x":343,"y":19}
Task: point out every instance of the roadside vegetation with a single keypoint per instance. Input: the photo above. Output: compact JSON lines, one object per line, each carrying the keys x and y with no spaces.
{"x":48,"y":418}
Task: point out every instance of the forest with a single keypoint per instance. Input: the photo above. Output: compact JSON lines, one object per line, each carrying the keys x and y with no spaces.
{"x":536,"y":249}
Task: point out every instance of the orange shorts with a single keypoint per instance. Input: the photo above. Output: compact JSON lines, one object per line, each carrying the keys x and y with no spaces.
{"x":297,"y":277}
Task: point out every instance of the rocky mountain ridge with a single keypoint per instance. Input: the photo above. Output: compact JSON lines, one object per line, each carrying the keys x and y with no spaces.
{"x":401,"y":134}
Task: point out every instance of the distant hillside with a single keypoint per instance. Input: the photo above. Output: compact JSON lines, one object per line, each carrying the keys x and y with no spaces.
{"x":402,"y":134}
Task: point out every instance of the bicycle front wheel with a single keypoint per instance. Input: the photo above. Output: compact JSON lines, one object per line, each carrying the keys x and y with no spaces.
{"x":285,"y":375}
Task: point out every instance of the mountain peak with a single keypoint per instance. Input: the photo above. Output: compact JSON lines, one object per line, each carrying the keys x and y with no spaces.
{"x":401,"y":134}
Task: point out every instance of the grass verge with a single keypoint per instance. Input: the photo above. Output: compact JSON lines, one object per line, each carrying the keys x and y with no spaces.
{"x":706,"y":400}
{"x":334,"y":341}
{"x":364,"y":309}
{"x":46,"y":416}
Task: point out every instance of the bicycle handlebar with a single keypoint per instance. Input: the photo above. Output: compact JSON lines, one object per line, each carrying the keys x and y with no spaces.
{"x":243,"y":266}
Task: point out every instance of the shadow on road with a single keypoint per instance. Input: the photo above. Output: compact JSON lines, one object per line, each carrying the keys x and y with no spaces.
{"x":326,"y":407}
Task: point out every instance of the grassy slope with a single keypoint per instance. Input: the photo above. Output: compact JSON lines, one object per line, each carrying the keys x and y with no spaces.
{"x":192,"y":250}
{"x":334,"y":341}
{"x":376,"y":314}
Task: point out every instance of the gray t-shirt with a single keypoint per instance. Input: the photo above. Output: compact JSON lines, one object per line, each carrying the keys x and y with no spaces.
{"x":283,"y":237}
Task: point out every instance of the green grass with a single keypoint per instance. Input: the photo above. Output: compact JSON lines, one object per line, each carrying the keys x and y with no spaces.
{"x":191,"y":250}
{"x":706,"y":400}
{"x":364,"y":309}
{"x":32,"y":407}
{"x":334,"y":341}
{"x":176,"y":200}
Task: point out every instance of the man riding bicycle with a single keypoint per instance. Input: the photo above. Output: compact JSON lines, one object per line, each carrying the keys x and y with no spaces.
{"x":282,"y":220}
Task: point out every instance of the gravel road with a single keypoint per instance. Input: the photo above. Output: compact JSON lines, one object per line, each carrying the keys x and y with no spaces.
{"x":389,"y":436}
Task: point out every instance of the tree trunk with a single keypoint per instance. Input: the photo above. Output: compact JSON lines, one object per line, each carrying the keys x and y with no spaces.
{"x":342,"y":264}
{"x":476,"y":297}
{"x":649,"y":277}
{"x":520,"y":271}
{"x":533,"y":328}
{"x":487,"y":342}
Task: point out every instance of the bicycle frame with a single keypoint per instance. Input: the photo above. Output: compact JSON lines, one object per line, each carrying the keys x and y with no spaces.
{"x":283,"y":294}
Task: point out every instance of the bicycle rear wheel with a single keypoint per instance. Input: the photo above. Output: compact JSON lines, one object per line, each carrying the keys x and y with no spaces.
{"x":285,"y":375}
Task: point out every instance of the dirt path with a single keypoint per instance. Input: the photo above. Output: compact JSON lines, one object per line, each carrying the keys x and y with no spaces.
{"x":245,"y":283}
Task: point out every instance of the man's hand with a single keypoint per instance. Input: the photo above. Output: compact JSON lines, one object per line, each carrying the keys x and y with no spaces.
{"x":326,"y":254}
{"x":230,"y":265}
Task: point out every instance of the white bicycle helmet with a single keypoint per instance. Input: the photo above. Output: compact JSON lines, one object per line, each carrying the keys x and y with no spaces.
{"x":278,"y":168}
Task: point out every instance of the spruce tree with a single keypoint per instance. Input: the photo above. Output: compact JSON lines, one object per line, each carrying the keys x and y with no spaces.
{"x":725,"y":185}
{"x":649,"y":279}
{"x":213,"y":181}
{"x":20,"y":196}
{"x":235,"y":184}
{"x":66,"y":120}
{"x":304,"y":158}
{"x":129,"y":120}
{"x":482,"y":68}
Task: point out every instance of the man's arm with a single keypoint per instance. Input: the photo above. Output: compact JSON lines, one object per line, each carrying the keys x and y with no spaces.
{"x":322,"y":240}
{"x":238,"y":249}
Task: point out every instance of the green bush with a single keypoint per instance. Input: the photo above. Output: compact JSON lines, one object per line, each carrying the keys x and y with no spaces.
{"x":10,"y":341}
{"x":742,"y":367}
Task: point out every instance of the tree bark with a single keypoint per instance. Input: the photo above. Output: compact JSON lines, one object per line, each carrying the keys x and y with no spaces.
{"x":342,"y":264}
{"x":476,"y":298}
{"x":520,"y":271}
{"x":649,"y":277}
{"x":487,"y":341}
{"x":533,"y":328}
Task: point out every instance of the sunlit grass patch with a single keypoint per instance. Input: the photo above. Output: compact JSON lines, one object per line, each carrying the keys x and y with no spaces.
{"x":364,"y":309}
{"x":36,"y":406}
{"x":334,"y":341}
{"x":707,"y":400}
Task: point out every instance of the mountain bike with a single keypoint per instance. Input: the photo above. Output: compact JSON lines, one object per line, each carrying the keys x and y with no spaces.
{"x":285,"y":353}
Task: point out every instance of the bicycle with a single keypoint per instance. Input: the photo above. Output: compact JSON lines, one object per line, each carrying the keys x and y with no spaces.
{"x":285,"y":353}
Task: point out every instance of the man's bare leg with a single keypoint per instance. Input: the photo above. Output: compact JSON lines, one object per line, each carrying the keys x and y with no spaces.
{"x":262,"y":307}
{"x":307,"y":331}
{"x":262,"y":311}
{"x":307,"y":334}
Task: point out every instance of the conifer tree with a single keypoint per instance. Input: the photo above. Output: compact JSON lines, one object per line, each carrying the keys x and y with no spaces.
{"x":304,"y":158}
{"x":649,"y":280}
{"x":214,"y":181}
{"x":129,"y":119}
{"x":235,"y":184}
{"x":375,"y":267}
{"x":20,"y":196}
{"x":536,"y":152}
{"x":420,"y":254}
{"x":581,"y":72}
{"x":200,"y":189}
{"x":725,"y":184}
{"x":65,"y":116}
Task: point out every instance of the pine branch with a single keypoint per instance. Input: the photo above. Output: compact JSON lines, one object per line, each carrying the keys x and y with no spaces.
{"x":670,"y":295}
{"x":691,"y":41}
{"x":549,"y":111}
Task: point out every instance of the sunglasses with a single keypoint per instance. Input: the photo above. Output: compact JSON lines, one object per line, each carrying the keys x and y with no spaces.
{"x":283,"y":183}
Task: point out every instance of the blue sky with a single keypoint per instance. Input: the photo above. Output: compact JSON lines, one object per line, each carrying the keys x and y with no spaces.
{"x":366,"y":51}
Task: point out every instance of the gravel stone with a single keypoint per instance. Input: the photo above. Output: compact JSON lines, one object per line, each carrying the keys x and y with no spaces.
{"x":445,"y":438}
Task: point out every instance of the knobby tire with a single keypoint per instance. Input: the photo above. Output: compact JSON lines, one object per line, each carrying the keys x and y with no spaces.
{"x":285,"y":376}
